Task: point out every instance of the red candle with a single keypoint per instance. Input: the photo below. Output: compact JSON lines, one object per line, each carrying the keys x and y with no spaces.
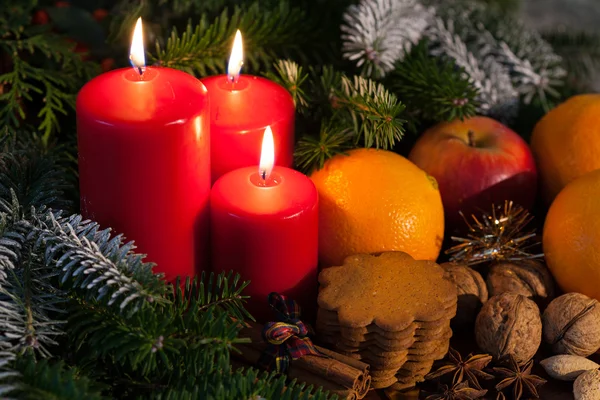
{"x":264,"y":226}
{"x":242,"y":106}
{"x":144,"y":160}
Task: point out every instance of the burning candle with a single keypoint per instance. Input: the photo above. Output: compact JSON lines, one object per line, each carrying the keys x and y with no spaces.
{"x":264,"y":225}
{"x":144,"y":160}
{"x":242,"y":106}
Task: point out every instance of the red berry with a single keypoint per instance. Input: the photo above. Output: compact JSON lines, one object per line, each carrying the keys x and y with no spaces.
{"x":100,"y":14}
{"x":107,"y":64}
{"x":62,"y":4}
{"x":40,"y":17}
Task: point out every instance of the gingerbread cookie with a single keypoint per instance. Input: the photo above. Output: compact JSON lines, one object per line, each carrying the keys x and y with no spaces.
{"x":390,"y":311}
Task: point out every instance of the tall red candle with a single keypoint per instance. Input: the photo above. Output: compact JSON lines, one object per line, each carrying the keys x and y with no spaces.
{"x":144,"y":162}
{"x":242,"y":106}
{"x":266,"y":229}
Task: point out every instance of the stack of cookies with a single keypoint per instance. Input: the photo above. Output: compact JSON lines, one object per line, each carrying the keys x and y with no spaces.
{"x":389,"y":311}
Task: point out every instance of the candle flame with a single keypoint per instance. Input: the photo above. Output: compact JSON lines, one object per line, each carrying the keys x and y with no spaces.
{"x":137,"y":56}
{"x":267,"y":155}
{"x":236,"y":60}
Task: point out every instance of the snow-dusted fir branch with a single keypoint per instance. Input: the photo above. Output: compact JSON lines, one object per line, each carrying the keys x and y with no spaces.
{"x":26,"y":296}
{"x":496,"y":92}
{"x":377,"y":33}
{"x":8,"y":376}
{"x":96,"y":263}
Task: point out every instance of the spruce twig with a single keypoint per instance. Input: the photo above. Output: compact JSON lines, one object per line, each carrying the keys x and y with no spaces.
{"x":291,"y":76}
{"x":44,"y":73}
{"x":205,"y":47}
{"x":436,"y":90}
{"x":374,"y":111}
{"x":312,"y":152}
{"x":377,"y":33}
{"x":96,"y":264}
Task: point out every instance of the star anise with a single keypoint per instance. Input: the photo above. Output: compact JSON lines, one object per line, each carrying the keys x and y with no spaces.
{"x":459,"y":391}
{"x":469,"y":369}
{"x":521,"y":379}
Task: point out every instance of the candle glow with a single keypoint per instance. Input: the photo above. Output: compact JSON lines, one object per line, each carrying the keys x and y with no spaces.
{"x":236,"y":60}
{"x":136,"y":52}
{"x":267,"y":155}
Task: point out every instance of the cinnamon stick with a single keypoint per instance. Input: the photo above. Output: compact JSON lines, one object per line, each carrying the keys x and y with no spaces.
{"x":345,"y":376}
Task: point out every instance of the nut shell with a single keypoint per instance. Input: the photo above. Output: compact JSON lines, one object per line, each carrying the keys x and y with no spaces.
{"x":471,"y":289}
{"x":572,"y":324}
{"x":528,"y":278}
{"x":587,"y":386}
{"x":567,"y":367}
{"x":509,"y":323}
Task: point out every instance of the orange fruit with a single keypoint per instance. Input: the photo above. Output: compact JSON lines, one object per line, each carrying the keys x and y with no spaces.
{"x":373,"y":201}
{"x":566,"y":143}
{"x":571,"y":237}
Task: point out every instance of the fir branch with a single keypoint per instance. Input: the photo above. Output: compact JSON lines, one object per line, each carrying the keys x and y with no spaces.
{"x":311,"y":153}
{"x":205,"y":47}
{"x":374,"y":111}
{"x":243,"y":384}
{"x":9,"y":377}
{"x":97,"y":265}
{"x":497,"y":96}
{"x":26,"y":296}
{"x":580,"y":52}
{"x":33,"y":172}
{"x":190,"y":334}
{"x":534,"y":68}
{"x":223,"y":291}
{"x":24,"y":79}
{"x":377,"y":33}
{"x":46,"y":380}
{"x":292,"y":77}
{"x":435,"y":88}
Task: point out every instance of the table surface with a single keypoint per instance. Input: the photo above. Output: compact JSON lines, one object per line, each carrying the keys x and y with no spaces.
{"x":552,"y":390}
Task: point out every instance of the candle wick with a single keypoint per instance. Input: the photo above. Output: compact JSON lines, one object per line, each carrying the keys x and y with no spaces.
{"x":141,"y":71}
{"x":263,"y":174}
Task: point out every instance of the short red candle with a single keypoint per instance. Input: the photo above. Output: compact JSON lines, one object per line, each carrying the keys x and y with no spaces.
{"x":268,"y":233}
{"x":239,"y":114}
{"x":144,"y":163}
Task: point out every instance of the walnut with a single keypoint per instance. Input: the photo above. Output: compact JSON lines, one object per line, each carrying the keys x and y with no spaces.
{"x":529,"y":278}
{"x":471,"y":290}
{"x":572,"y":324}
{"x":509,"y":323}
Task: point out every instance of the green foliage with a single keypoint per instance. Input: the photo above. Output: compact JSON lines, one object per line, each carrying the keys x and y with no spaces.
{"x":354,"y":112}
{"x":204,"y":47}
{"x":39,"y":73}
{"x":43,"y":379}
{"x":580,"y":52}
{"x":292,"y":77}
{"x":435,"y":89}
{"x":311,"y":152}
{"x":33,"y":172}
{"x":243,"y":384}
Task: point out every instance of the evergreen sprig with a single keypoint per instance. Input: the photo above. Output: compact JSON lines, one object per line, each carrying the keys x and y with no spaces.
{"x":435,"y":89}
{"x":45,"y":379}
{"x":39,"y":72}
{"x":26,"y":296}
{"x":354,"y":112}
{"x":204,"y":48}
{"x":99,"y":266}
{"x":33,"y":172}
{"x":292,"y":76}
{"x":311,"y":152}
{"x":580,"y":52}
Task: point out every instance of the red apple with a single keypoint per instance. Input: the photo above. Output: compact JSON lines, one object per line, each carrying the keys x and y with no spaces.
{"x":476,"y":162}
